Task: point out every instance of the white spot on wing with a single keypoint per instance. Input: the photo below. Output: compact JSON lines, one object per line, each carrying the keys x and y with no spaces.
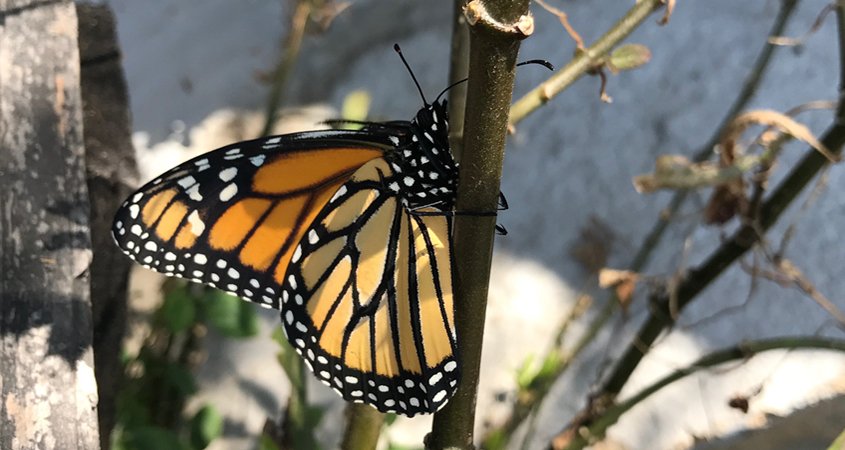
{"x":257,"y":160}
{"x":228,"y":192}
{"x":228,"y":173}
{"x":187,"y":181}
{"x":194,"y":193}
{"x":435,"y":378}
{"x":197,"y":225}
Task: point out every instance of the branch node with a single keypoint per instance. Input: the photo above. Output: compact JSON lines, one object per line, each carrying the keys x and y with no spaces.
{"x":476,"y":14}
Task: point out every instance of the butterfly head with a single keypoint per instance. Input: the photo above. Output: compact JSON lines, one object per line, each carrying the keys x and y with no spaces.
{"x":426,"y":172}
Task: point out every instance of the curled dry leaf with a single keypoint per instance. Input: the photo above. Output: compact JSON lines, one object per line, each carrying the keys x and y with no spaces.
{"x":790,"y":41}
{"x":623,"y":281}
{"x":776,"y":120}
{"x":727,"y":201}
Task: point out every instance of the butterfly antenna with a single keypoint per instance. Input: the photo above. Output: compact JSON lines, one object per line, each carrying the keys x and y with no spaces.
{"x":399,"y":51}
{"x":450,"y":87}
{"x":541,"y":62}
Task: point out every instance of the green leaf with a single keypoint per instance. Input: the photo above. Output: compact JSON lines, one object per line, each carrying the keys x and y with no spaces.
{"x":394,"y":446}
{"x":839,"y":443}
{"x":550,"y":365}
{"x":206,"y":426}
{"x":291,"y":362}
{"x":628,"y":56}
{"x":132,"y":411}
{"x":356,"y":106}
{"x":266,"y":443}
{"x":389,"y":418}
{"x":180,"y":378}
{"x":230,"y":315}
{"x":526,"y":372}
{"x":151,"y":438}
{"x":178,"y":311}
{"x":496,"y":440}
{"x":313,"y":416}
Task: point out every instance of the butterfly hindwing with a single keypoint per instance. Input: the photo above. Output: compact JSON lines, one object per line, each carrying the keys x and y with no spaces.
{"x":369,"y":298}
{"x":232,"y":217}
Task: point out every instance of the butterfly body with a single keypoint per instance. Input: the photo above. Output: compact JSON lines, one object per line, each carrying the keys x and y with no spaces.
{"x":347,"y":233}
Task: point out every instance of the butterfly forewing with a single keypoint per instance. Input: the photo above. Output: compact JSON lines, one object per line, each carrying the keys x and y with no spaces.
{"x":232,"y":217}
{"x":369,"y":298}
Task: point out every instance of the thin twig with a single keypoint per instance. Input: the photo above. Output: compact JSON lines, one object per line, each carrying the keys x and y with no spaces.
{"x":583,"y":62}
{"x":281,"y":74}
{"x":743,"y":351}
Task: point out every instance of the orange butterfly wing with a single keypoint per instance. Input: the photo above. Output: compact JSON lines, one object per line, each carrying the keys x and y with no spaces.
{"x":368,"y":299}
{"x":232,"y":217}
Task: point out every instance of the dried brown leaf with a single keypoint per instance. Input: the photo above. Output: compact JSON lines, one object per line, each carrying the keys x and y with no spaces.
{"x":777,"y":120}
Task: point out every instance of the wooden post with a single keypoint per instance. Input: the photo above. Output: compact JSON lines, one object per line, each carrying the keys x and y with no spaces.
{"x":48,"y":392}
{"x":112,"y":175}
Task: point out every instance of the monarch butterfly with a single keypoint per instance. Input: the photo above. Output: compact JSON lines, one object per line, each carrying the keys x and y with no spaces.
{"x":347,"y":233}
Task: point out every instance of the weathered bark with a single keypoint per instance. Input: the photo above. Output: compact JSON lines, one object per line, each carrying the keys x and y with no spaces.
{"x":49,"y":392}
{"x":110,"y":163}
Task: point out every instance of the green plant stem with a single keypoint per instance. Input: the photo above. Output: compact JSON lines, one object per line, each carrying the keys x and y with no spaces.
{"x":583,"y":61}
{"x":491,"y":73}
{"x":281,"y":74}
{"x":297,"y":430}
{"x":458,"y":70}
{"x":743,"y":351}
{"x":363,"y":426}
